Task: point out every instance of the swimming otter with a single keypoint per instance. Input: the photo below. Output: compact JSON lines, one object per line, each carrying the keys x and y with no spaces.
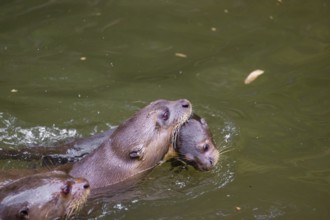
{"x":52,"y":195}
{"x":136,"y":146}
{"x":195,"y":144}
{"x":188,"y":148}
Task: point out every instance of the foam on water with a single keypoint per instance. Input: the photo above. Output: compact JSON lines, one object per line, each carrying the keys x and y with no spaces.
{"x":12,"y":133}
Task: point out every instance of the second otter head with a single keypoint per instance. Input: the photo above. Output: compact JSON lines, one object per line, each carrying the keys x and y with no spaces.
{"x":195,"y":146}
{"x":53,"y":195}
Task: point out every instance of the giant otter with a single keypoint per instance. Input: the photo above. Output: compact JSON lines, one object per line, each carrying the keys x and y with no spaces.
{"x":195,"y":146}
{"x":52,"y":195}
{"x":136,"y":146}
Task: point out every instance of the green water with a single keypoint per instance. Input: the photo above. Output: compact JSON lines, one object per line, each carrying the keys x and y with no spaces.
{"x":73,"y":68}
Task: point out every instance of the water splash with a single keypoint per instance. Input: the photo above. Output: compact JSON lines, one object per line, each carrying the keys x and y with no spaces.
{"x":13,"y":134}
{"x":271,"y":213}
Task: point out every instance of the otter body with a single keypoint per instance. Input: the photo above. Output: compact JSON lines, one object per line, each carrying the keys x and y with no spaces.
{"x":52,"y":195}
{"x":136,"y":146}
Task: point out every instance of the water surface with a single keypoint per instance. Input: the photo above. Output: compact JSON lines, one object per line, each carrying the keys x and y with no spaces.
{"x":70,"y":69}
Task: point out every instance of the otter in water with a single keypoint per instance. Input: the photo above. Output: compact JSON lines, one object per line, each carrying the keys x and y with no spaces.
{"x":52,"y":195}
{"x":195,"y":146}
{"x":136,"y":146}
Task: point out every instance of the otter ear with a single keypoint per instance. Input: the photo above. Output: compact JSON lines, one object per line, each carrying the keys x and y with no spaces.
{"x":164,"y":115}
{"x":23,"y":213}
{"x":137,"y":152}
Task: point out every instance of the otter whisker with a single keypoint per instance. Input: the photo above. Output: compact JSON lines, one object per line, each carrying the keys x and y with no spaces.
{"x":226,"y":150}
{"x":76,"y":205}
{"x":176,"y":129}
{"x":180,"y":160}
{"x":175,"y":136}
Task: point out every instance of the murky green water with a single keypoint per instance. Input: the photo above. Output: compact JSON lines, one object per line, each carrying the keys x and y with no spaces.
{"x":73,"y":68}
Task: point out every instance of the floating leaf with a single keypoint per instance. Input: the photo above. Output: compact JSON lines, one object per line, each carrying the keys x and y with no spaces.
{"x":182,"y":55}
{"x":253,"y":76}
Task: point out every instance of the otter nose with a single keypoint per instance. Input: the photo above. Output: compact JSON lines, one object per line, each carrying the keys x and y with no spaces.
{"x":211,"y":161}
{"x":208,"y":164}
{"x":185,"y":103}
{"x":86,"y":186}
{"x":81,"y":182}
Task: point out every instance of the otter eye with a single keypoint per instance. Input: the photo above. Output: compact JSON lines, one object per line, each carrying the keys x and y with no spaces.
{"x":165,"y":115}
{"x":206,"y":147}
{"x":66,"y":189}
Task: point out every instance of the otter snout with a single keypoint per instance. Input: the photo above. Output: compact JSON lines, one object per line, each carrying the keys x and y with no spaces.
{"x":212,"y":160}
{"x":81,"y":185}
{"x":210,"y":163}
{"x":205,"y":164}
{"x":181,"y":110}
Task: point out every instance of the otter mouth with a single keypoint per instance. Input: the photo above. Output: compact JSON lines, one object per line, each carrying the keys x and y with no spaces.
{"x":200,"y":167}
{"x":194,"y":164}
{"x":198,"y":163}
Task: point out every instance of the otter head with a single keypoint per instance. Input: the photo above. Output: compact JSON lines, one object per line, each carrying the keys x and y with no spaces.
{"x":53,"y":195}
{"x":147,"y":135}
{"x":195,"y":146}
{"x":66,"y":197}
